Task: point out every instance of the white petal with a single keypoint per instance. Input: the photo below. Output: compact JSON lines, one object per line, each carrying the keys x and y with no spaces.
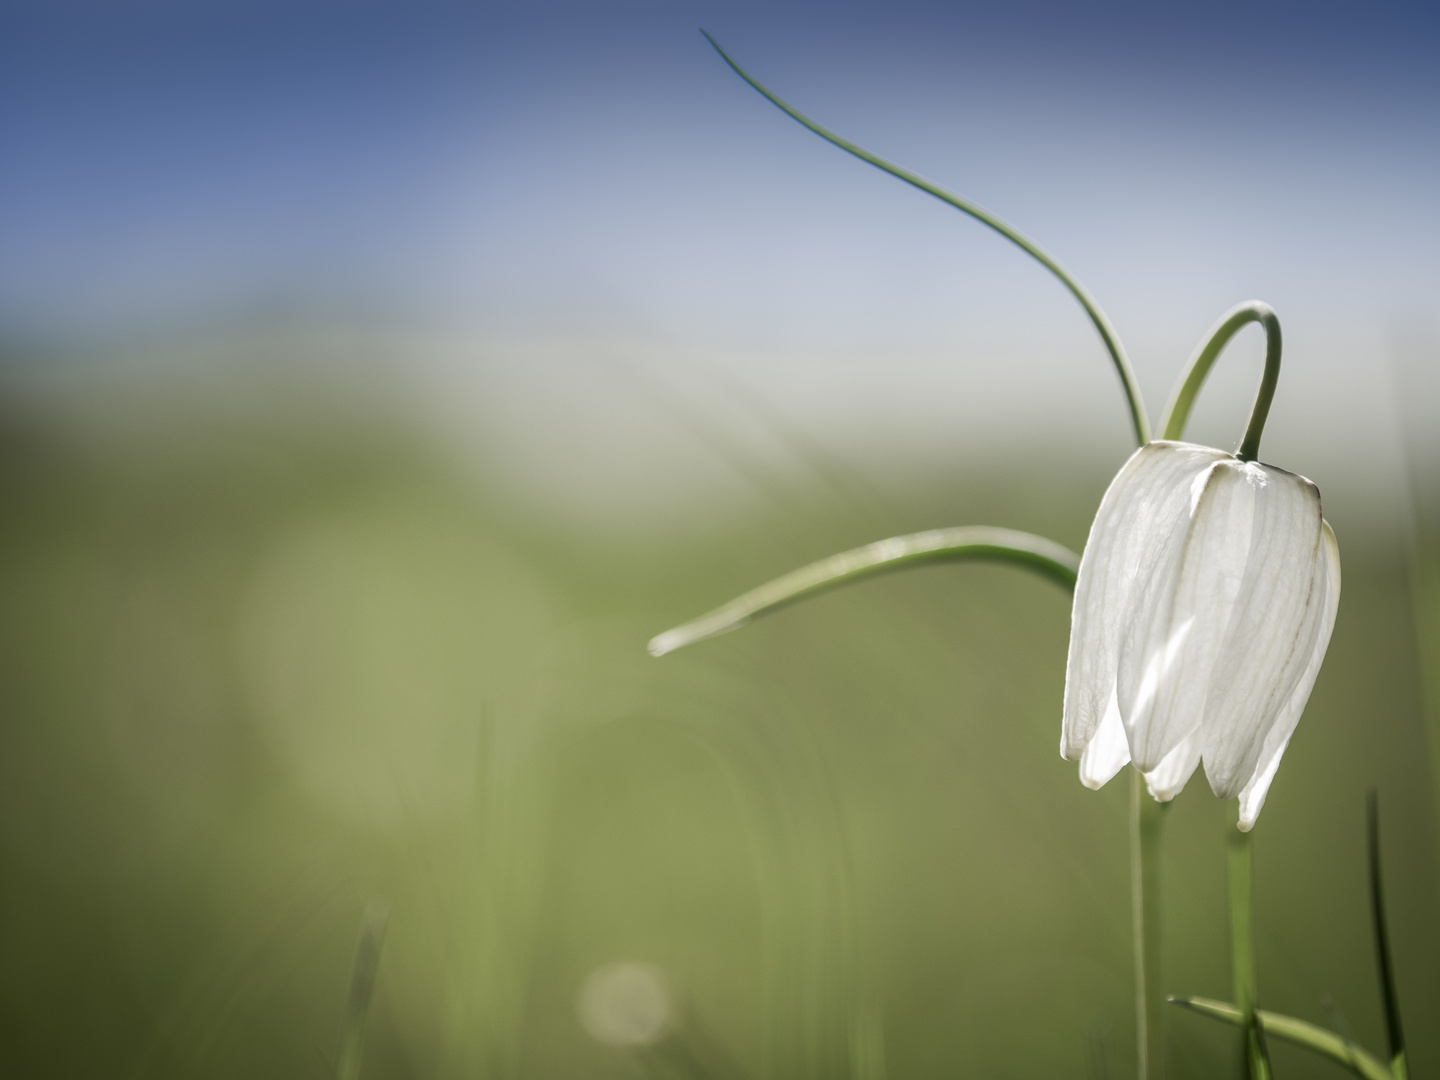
{"x":1148,"y":499}
{"x":1168,"y":779}
{"x":1273,"y":628}
{"x":1327,"y":583}
{"x":1107,"y":751}
{"x":1181,"y":614}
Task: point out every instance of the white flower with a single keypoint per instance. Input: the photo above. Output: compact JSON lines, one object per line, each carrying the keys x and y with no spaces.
{"x":1206,"y":597}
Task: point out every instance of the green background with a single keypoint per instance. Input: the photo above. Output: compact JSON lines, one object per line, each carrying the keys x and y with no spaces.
{"x":260,"y":664}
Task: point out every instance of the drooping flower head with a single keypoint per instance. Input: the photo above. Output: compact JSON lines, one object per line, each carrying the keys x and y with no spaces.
{"x":1207,"y":591}
{"x":1206,"y":596}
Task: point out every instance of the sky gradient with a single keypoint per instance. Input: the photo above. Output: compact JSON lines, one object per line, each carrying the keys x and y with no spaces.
{"x":513,"y":177}
{"x":466,"y":159}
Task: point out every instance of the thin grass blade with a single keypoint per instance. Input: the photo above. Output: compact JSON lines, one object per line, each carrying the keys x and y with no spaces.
{"x":1394,"y":1036}
{"x":1298,"y":1032}
{"x":936,"y":545}
{"x":1098,"y":317}
{"x":362,"y":990}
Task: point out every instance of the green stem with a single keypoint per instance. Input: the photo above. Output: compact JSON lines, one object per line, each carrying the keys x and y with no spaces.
{"x":1146,"y":818}
{"x":1242,"y":956}
{"x":1177,"y":412}
{"x":964,"y":542}
{"x":1092,"y":308}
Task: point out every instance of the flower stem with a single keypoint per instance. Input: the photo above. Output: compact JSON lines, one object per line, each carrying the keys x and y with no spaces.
{"x":1146,"y":817}
{"x":1242,"y":956}
{"x":1177,"y":412}
{"x":1098,"y":317}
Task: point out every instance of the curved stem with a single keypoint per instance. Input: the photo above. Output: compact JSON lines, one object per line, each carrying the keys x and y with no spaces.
{"x":1146,"y":818}
{"x":1102,"y":323}
{"x":966,"y":542}
{"x":1393,"y":1034}
{"x":1177,"y":412}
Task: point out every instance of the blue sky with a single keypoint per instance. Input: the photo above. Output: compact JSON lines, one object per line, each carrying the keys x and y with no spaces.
{"x":175,"y":160}
{"x":593,"y":174}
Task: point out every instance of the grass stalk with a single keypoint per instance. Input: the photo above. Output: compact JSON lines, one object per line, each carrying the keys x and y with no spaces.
{"x":1036,"y":553}
{"x":1098,"y":318}
{"x":1394,"y":1036}
{"x":1341,"y":1049}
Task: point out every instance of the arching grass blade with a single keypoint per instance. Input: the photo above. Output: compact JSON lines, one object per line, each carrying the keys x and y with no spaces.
{"x":1299,"y":1032}
{"x":1393,"y":1033}
{"x":964,"y":542}
{"x":1098,"y":317}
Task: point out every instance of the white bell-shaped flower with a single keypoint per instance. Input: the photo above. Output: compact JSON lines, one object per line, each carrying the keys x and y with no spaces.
{"x":1204,"y":605}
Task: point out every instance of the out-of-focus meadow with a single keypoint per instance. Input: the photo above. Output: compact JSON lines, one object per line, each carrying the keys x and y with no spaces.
{"x":376,"y":380}
{"x":269,"y":656}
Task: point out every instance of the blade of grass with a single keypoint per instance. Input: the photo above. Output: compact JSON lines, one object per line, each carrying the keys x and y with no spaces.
{"x":1343,"y":1051}
{"x":1393,"y":1034}
{"x":1092,"y":308}
{"x":362,"y":989}
{"x":965,"y":542}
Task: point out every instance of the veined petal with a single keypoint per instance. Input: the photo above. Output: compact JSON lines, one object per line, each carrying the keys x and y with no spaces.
{"x":1325,"y":593}
{"x":1273,"y":627}
{"x":1145,"y":503}
{"x":1107,"y":752}
{"x":1181,"y":614}
{"x":1169,"y":778}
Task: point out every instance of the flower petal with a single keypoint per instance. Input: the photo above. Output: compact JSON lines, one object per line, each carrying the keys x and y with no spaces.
{"x":1273,"y":628}
{"x":1181,"y":614}
{"x":1169,"y":778}
{"x":1148,"y":499}
{"x":1325,"y":594}
{"x":1107,"y":752}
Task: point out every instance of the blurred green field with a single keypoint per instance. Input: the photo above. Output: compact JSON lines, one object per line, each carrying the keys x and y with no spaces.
{"x":259,"y":667}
